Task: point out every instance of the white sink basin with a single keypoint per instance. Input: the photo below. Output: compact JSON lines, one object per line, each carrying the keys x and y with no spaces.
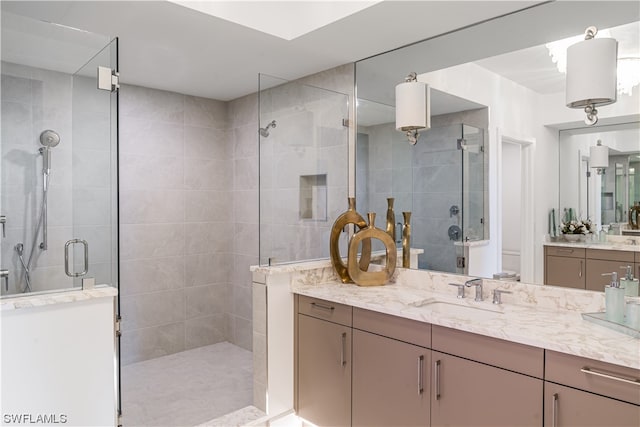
{"x":459,"y":309}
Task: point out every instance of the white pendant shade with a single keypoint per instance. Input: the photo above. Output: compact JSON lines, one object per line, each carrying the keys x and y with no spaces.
{"x":599,"y":156}
{"x":412,"y":106}
{"x":591,"y":73}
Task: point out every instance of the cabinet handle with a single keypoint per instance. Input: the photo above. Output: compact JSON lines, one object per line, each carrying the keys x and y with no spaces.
{"x":420,"y":374}
{"x":322,"y":306}
{"x":581,"y":265}
{"x":591,"y":371}
{"x":565,"y":251}
{"x":343,"y":359}
{"x":554,"y":410}
{"x":437,"y":379}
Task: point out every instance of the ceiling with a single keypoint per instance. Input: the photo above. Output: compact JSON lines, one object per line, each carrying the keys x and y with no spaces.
{"x":167,"y":46}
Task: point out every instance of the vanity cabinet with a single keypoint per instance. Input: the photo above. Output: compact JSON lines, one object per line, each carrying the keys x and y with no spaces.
{"x":583,"y":392}
{"x":480,"y":380}
{"x":391,"y":370}
{"x":601,"y":261}
{"x":583,"y":268}
{"x":564,"y":266}
{"x":324,"y":362}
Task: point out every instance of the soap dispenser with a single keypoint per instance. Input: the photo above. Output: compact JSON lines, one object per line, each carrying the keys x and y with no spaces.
{"x":629,"y":283}
{"x":614,"y":299}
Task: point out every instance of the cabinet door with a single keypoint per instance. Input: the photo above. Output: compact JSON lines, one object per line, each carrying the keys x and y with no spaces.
{"x":390,"y":382}
{"x":467,"y":393}
{"x":565,"y":407}
{"x":565,"y":271}
{"x":596,"y":267}
{"x":324,"y":372}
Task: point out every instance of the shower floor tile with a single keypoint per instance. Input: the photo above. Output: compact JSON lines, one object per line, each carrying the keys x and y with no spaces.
{"x":187,"y":388}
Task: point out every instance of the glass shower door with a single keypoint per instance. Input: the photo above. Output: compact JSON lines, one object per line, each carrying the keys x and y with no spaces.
{"x":303,"y":169}
{"x":473,"y":183}
{"x":94,"y":173}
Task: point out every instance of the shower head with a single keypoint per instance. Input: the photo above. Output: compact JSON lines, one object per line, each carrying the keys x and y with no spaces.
{"x":264,"y":132}
{"x":49,"y":138}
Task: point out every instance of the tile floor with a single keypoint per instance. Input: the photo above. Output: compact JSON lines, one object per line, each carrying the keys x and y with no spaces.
{"x":187,"y":388}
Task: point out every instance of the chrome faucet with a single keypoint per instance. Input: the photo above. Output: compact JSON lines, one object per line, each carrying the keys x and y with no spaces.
{"x":478,"y":284}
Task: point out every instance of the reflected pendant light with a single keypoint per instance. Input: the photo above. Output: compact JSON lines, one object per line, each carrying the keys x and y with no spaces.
{"x":412,"y":107}
{"x":591,"y":74}
{"x":599,"y":157}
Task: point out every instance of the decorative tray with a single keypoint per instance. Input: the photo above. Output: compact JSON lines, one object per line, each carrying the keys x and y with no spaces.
{"x":600,"y":319}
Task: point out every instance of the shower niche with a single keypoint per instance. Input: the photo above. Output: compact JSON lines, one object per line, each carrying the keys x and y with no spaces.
{"x":58,"y":158}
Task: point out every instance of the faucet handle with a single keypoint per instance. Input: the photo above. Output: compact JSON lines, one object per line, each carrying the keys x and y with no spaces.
{"x":497,"y":295}
{"x":460,"y":289}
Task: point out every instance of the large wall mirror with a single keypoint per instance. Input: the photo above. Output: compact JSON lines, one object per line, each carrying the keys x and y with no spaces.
{"x":482,"y":182}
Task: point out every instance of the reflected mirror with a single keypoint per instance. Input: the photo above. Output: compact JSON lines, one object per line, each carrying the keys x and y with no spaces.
{"x":510,"y":97}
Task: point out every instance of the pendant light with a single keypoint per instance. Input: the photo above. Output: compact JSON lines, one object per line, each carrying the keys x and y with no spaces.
{"x":412,"y":107}
{"x":599,"y":157}
{"x":591,"y":74}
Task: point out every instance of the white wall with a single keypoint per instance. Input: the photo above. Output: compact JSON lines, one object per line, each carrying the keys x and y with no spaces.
{"x":60,"y":360}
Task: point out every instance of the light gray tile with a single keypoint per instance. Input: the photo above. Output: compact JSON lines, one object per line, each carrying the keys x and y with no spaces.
{"x":91,"y":206}
{"x":246,"y":174}
{"x":205,"y":330}
{"x":244,"y":110}
{"x":245,"y":141}
{"x":208,"y":238}
{"x":208,"y":205}
{"x":151,"y":240}
{"x":241,"y":263}
{"x":147,"y":137}
{"x":149,"y":343}
{"x":206,"y":300}
{"x":16,"y":126}
{"x":246,"y":206}
{"x":204,"y":269}
{"x":16,"y":89}
{"x":207,"y":174}
{"x":243,"y":300}
{"x":159,"y":308}
{"x":205,"y":112}
{"x":149,"y":172}
{"x":151,"y":275}
{"x":207,"y":143}
{"x":246,"y":239}
{"x":151,"y":104}
{"x":243,"y":333}
{"x":151,"y":206}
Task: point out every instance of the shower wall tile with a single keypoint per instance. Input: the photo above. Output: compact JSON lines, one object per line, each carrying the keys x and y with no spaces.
{"x":158,"y":105}
{"x":203,"y":269}
{"x":147,"y":137}
{"x":16,"y":128}
{"x":205,"y":331}
{"x":208,"y":237}
{"x":151,"y":240}
{"x":152,"y":206}
{"x":207,"y":174}
{"x":245,"y":206}
{"x":245,"y":237}
{"x":245,"y":141}
{"x":148,"y":343}
{"x":150,"y":172}
{"x":146,"y":310}
{"x":16,"y":89}
{"x":206,"y":300}
{"x":242,"y":300}
{"x":208,"y":205}
{"x":205,"y":112}
{"x":142,"y":276}
{"x":243,"y":111}
{"x":246,"y":174}
{"x":207,"y":143}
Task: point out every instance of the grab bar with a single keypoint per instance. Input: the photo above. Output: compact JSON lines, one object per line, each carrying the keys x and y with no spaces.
{"x":66,"y":257}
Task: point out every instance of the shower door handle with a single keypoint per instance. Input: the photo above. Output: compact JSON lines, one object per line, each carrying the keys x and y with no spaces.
{"x":66,"y":257}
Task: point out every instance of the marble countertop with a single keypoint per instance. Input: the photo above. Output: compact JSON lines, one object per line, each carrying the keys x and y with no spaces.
{"x":40,"y":299}
{"x":541,"y":316}
{"x":613,"y":243}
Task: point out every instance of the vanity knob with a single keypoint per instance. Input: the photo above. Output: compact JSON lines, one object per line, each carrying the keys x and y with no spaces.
{"x":497,"y":295}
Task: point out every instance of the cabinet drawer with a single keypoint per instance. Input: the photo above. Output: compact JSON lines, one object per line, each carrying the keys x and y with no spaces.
{"x":622,"y":256}
{"x":492,"y":351}
{"x":564,"y":251}
{"x":398,"y":328}
{"x":595,"y":270}
{"x":565,"y":271}
{"x":637,"y":256}
{"x":569,"y":370}
{"x":326,"y":310}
